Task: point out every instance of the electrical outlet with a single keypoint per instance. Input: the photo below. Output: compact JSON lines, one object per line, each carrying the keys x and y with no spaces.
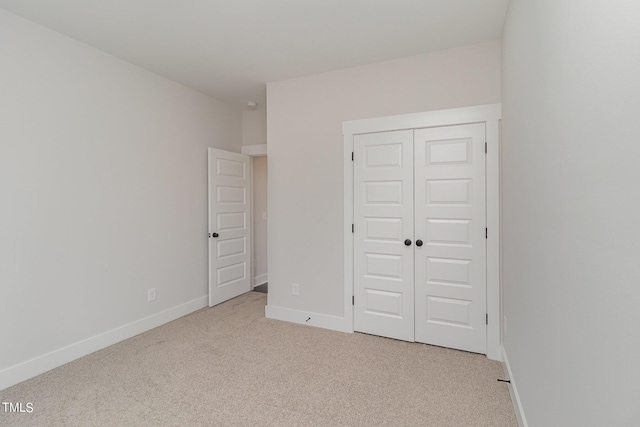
{"x":504,"y":326}
{"x":151,"y":294}
{"x":295,"y":289}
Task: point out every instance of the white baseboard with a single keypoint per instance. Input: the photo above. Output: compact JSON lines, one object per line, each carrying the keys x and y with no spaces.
{"x":325,"y":321}
{"x":41,"y":364}
{"x":513,"y":391}
{"x":260,"y":279}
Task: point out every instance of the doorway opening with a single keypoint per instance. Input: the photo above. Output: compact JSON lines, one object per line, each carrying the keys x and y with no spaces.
{"x":237,"y":219}
{"x":259,"y":194}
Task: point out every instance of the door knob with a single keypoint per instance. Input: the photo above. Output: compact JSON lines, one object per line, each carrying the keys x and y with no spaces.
{"x":418,"y":242}
{"x":215,"y":235}
{"x":407,"y":242}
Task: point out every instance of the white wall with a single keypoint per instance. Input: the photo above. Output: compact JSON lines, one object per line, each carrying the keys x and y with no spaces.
{"x":103,"y":191}
{"x":305,"y":149}
{"x":571,"y":108}
{"x":259,"y":190}
{"x":254,"y":126}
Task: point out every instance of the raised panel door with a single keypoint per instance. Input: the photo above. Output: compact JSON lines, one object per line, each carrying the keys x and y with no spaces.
{"x":450,"y":266}
{"x":383,"y":219}
{"x":229,"y":230}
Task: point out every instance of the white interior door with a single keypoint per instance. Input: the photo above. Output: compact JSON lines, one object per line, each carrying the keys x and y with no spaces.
{"x":450,"y":274}
{"x":229,"y":225}
{"x":383,"y":215}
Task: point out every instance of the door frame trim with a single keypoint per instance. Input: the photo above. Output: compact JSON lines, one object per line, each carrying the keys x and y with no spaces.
{"x":255,"y":150}
{"x":490,"y":115}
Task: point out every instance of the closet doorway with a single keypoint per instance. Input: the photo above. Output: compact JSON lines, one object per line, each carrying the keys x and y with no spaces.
{"x":422,"y":227}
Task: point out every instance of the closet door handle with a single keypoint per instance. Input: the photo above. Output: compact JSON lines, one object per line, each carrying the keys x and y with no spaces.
{"x":407,"y":242}
{"x":418,"y":242}
{"x":215,"y":235}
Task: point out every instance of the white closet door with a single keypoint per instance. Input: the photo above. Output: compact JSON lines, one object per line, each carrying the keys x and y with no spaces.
{"x":229,"y":226}
{"x":450,"y":272}
{"x":383,"y":219}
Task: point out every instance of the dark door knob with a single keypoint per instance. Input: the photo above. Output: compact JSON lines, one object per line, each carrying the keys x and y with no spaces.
{"x":418,"y":242}
{"x":215,"y":235}
{"x":407,"y":242}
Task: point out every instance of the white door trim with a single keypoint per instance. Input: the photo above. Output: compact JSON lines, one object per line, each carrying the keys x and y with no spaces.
{"x":488,"y":114}
{"x":255,"y":150}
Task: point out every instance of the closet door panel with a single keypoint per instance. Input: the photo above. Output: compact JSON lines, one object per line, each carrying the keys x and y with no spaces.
{"x":383,"y":219}
{"x":450,"y":276}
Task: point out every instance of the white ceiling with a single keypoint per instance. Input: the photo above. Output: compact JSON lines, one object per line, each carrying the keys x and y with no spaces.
{"x":229,"y":49}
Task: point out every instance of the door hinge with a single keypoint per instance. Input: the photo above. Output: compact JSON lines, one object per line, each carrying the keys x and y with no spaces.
{"x":353,"y":228}
{"x":353,"y":300}
{"x":486,"y":233}
{"x":485,"y":147}
{"x":486,"y":318}
{"x":352,"y":156}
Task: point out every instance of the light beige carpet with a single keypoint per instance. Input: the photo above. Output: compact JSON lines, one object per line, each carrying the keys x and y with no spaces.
{"x":230,"y":366}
